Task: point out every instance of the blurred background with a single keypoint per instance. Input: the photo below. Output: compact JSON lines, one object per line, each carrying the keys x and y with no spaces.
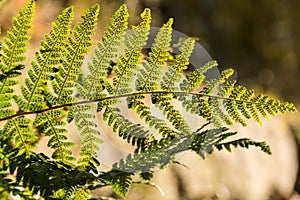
{"x":261,"y":41}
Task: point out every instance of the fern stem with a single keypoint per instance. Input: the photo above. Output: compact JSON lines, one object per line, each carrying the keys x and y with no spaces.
{"x":292,"y":109}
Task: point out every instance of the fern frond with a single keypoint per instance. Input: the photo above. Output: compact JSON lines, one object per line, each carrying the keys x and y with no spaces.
{"x":133,"y":133}
{"x":64,"y":80}
{"x":50,"y":55}
{"x":92,"y":84}
{"x":124,"y":73}
{"x":241,"y":103}
{"x":150,"y":77}
{"x":159,"y":75}
{"x":85,"y":122}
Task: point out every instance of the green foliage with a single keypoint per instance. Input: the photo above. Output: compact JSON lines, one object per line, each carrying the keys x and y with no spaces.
{"x":11,"y":63}
{"x":119,"y":180}
{"x":91,"y":87}
{"x":49,"y":104}
{"x":40,"y":174}
{"x":148,"y":78}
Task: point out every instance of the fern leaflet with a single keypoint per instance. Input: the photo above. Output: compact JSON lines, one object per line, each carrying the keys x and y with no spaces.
{"x":132,"y":56}
{"x":148,"y":78}
{"x":244,"y":143}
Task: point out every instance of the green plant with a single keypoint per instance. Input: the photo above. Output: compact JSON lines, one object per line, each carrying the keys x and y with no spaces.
{"x":47,"y":104}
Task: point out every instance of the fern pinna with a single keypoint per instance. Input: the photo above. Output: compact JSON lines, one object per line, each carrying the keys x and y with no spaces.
{"x":58,"y":92}
{"x":11,"y":63}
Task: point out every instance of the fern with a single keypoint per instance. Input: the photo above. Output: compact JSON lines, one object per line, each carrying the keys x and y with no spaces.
{"x":239,"y":102}
{"x":50,"y":55}
{"x":52,"y":102}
